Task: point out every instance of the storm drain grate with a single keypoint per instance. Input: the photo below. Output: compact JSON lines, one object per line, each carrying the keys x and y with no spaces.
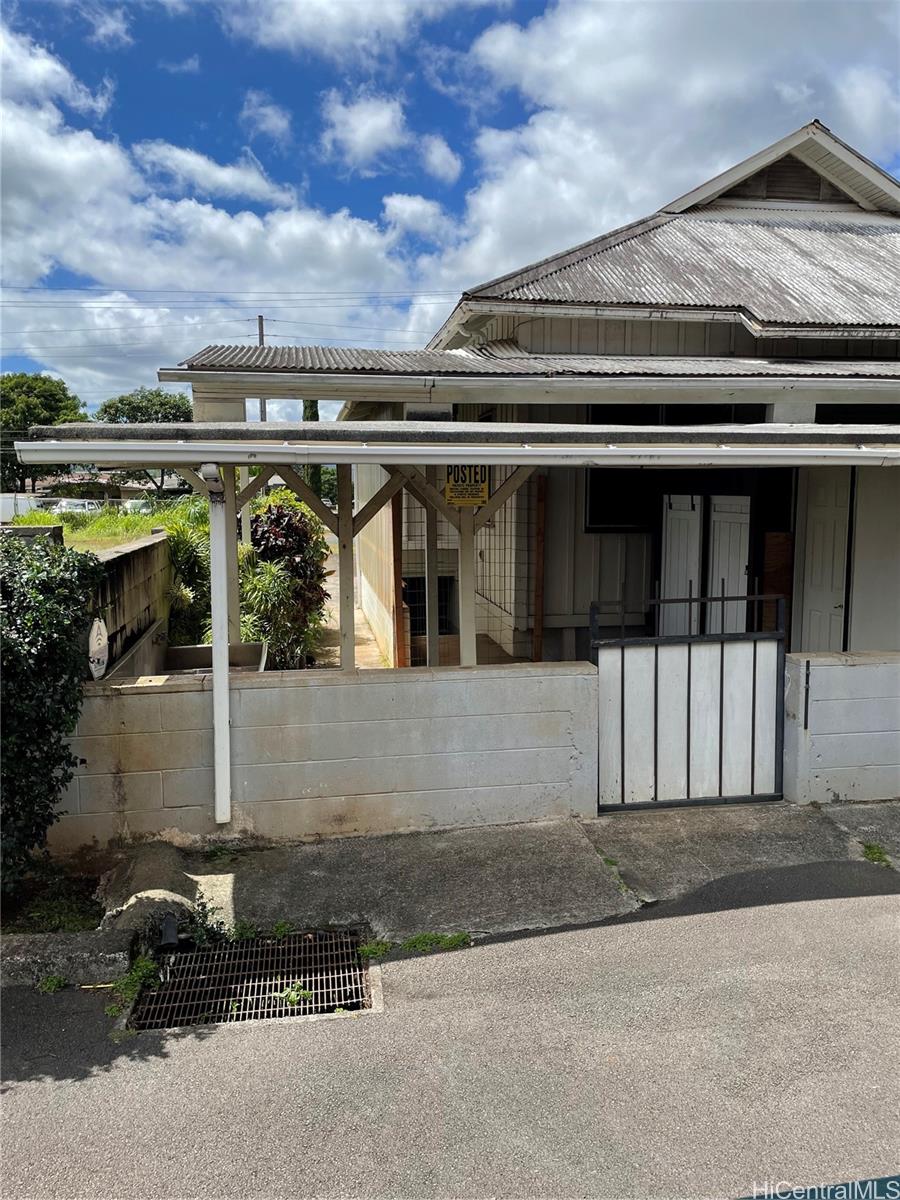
{"x":257,"y":979}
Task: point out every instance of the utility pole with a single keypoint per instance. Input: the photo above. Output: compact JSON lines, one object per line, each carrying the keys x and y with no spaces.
{"x":261,"y":329}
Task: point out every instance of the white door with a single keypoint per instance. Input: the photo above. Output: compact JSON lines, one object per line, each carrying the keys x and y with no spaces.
{"x":682,"y":530}
{"x":729,"y":558}
{"x":825,"y":558}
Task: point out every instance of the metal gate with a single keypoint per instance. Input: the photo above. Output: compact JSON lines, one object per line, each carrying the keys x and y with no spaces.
{"x":693,"y":718}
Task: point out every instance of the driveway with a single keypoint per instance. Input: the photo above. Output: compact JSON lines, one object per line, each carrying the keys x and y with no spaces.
{"x":673,"y":1055}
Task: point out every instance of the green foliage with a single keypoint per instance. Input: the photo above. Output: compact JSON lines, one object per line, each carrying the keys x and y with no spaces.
{"x":377,"y":948}
{"x":204,"y":926}
{"x":875,"y":853}
{"x":295,"y":993}
{"x":244,"y":931}
{"x":51,"y":983}
{"x":26,"y":400}
{"x":144,"y":973}
{"x":96,"y":530}
{"x":426,"y":943}
{"x":146,"y":406}
{"x":283,"y":584}
{"x":329,"y":485}
{"x":45,"y":593}
{"x":281,"y":929}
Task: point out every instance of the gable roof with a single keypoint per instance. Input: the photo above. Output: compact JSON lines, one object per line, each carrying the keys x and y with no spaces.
{"x":794,"y":262}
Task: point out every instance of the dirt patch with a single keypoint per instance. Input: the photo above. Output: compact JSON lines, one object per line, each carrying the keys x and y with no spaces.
{"x":54,"y":899}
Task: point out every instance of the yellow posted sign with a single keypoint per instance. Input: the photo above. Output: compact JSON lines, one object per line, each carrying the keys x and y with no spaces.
{"x":466,"y":487}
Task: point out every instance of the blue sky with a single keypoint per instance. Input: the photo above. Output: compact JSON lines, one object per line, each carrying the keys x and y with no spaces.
{"x":172,"y":167}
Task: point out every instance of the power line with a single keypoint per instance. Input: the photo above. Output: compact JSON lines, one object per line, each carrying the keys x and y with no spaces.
{"x":309,"y":292}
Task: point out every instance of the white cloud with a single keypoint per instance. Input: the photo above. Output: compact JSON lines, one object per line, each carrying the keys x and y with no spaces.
{"x":261,"y":115}
{"x":109,"y":26}
{"x":29,"y":72}
{"x":334,"y":28}
{"x":189,"y":170}
{"x":417,"y":214}
{"x":438,"y":159}
{"x":795,"y":94}
{"x":869,"y":100}
{"x":185,"y":66}
{"x":361,"y":132}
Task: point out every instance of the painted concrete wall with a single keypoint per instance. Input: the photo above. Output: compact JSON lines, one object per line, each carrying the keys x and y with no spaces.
{"x":320,"y":753}
{"x":842,"y":733}
{"x":875,"y":579}
{"x":134,"y":597}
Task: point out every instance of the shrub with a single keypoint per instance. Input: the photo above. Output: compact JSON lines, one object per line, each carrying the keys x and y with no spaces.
{"x":44,"y":609}
{"x":283,"y":583}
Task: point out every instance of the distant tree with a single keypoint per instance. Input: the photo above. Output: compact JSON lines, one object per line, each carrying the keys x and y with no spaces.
{"x":314,"y":470}
{"x":329,"y":485}
{"x":28,"y":399}
{"x":146,"y":406}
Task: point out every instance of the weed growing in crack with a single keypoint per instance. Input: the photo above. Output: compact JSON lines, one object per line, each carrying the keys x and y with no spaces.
{"x":875,"y":853}
{"x":427,"y":943}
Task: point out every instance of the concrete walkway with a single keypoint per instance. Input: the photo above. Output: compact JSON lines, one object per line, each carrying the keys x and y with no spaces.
{"x":500,"y":880}
{"x":328,"y":649}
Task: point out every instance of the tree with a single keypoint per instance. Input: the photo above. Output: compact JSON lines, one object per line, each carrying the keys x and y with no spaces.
{"x":314,"y":470}
{"x":30,"y":399}
{"x":146,"y":406}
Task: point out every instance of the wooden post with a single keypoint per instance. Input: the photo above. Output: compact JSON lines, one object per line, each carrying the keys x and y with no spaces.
{"x":261,"y":329}
{"x":345,"y":566}
{"x":540,"y":513}
{"x":401,"y":650}
{"x":468,"y":655}
{"x":243,"y":480}
{"x":231,"y":555}
{"x":432,"y":627}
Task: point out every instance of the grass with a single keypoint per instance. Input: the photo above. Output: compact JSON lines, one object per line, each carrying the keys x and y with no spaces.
{"x":876,"y":853}
{"x":427,"y":943}
{"x":52,"y":983}
{"x":53,"y":901}
{"x":96,"y":531}
{"x":144,"y":973}
{"x":377,"y":948}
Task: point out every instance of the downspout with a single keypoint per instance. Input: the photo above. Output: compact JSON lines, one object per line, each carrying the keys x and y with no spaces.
{"x":218,"y":572}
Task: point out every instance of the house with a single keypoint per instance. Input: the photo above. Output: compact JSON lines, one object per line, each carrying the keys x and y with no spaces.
{"x":644,"y":492}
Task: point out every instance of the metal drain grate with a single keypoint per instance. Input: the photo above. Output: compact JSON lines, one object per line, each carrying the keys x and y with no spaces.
{"x":257,"y":979}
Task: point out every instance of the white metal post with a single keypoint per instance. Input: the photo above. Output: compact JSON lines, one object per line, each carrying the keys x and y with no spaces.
{"x":432,"y":627}
{"x":243,"y":480}
{"x":218,"y":570}
{"x":467,"y":632}
{"x":231,"y":559}
{"x":345,"y":566}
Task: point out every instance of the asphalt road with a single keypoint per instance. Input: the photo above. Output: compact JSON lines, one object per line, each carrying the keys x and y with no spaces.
{"x":686,"y":1055}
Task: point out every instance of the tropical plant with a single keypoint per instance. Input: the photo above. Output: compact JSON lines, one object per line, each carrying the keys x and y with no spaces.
{"x":45,"y":592}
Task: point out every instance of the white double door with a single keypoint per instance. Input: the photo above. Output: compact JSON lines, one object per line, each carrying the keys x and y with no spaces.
{"x":682,"y":562}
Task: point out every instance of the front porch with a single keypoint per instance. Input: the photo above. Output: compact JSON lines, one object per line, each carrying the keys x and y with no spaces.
{"x":351,"y":750}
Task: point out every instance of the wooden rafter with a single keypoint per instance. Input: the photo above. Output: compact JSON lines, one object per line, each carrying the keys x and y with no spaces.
{"x":375,"y":503}
{"x":256,"y":484}
{"x":507,"y":488}
{"x":304,"y":492}
{"x":427,"y":494}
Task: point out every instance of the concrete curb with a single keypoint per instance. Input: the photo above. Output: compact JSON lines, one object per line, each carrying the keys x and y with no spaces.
{"x":94,"y":956}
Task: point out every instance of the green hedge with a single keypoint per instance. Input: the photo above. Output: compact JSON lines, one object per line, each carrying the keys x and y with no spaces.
{"x":45,"y":593}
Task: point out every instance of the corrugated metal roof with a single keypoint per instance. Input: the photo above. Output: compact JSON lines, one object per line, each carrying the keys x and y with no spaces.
{"x":786,"y":266}
{"x":508,"y":358}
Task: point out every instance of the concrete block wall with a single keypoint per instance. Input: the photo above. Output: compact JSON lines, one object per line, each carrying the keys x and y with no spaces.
{"x":842,"y":727}
{"x":134,"y":596}
{"x":321,"y":753}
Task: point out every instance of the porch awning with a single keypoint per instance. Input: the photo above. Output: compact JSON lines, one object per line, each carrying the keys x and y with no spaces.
{"x":439,"y":442}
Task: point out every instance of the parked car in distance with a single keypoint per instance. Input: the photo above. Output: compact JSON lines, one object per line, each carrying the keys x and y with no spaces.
{"x":77,"y":506}
{"x":137,"y":506}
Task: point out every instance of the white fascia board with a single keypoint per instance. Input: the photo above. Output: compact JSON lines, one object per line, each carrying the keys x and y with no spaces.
{"x":171,"y":454}
{"x":523,"y":389}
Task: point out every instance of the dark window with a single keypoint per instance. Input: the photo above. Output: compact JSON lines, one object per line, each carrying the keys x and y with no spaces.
{"x":414,"y":598}
{"x":623,"y":498}
{"x":858,"y":414}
